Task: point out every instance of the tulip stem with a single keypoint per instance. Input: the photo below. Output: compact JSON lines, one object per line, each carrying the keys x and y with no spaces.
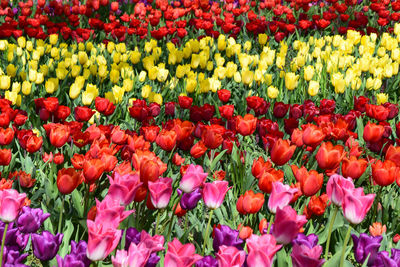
{"x":207,"y":229}
{"x":3,"y":243}
{"x":328,"y":241}
{"x":61,"y":214}
{"x":172,"y":217}
{"x":346,"y":240}
{"x":158,"y":220}
{"x":270,"y":224}
{"x":86,"y":201}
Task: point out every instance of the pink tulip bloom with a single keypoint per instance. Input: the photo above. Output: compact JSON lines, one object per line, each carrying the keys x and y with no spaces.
{"x":103,"y":239}
{"x":281,"y":195}
{"x":109,"y":211}
{"x":154,"y":243}
{"x":137,"y":256}
{"x":335,"y":188}
{"x":160,"y":192}
{"x":193,"y":178}
{"x":230,"y":256}
{"x":303,"y":255}
{"x":120,"y":259}
{"x":11,"y":203}
{"x":262,"y":250}
{"x":287,"y":224}
{"x":214,"y":193}
{"x":356,"y":205}
{"x":179,"y":255}
{"x":124,"y":187}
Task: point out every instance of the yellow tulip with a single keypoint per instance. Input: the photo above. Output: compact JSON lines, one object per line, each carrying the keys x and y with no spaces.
{"x":162,"y":75}
{"x":21,"y":41}
{"x":82,"y":57}
{"x":309,"y":72}
{"x":291,"y":80}
{"x":237,"y":77}
{"x":146,"y":89}
{"x":262,"y":38}
{"x":247,"y":77}
{"x":26,"y":87}
{"x":191,"y":85}
{"x":157,"y":98}
{"x":12,"y":96}
{"x":313,"y":88}
{"x":272,"y":92}
{"x":16,"y":87}
{"x":39,"y":78}
{"x":127,"y":85}
{"x":51,"y":85}
{"x":5,"y":82}
{"x":103,"y":71}
{"x":118,"y":93}
{"x":381,"y":98}
{"x":74,"y":91}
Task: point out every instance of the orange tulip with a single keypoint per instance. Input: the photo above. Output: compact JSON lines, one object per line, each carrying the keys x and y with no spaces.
{"x":353,"y":167}
{"x":329,"y":156}
{"x":282,"y":152}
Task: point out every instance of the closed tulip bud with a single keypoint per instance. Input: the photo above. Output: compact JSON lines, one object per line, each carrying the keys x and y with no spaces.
{"x":291,"y":80}
{"x":272,"y":92}
{"x":308,"y":72}
{"x":282,"y":152}
{"x":313,"y":88}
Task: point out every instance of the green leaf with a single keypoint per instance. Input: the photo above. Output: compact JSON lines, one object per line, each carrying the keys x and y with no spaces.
{"x":68,"y":229}
{"x":77,"y":202}
{"x":217,"y":159}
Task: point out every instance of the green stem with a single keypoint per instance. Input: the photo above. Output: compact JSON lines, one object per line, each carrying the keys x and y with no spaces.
{"x":86,"y":201}
{"x":270,"y":224}
{"x":328,"y":241}
{"x":172,"y":217}
{"x":2,"y":244}
{"x":186,"y":222}
{"x":158,"y":220}
{"x":346,"y":240}
{"x":61,"y":214}
{"x":207,"y":229}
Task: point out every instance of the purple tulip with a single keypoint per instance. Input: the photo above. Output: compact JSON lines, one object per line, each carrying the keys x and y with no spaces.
{"x":15,"y":240}
{"x":46,"y":245}
{"x":384,"y":260}
{"x":365,"y":245}
{"x":77,"y":257}
{"x":132,"y":235}
{"x":207,"y":261}
{"x":309,"y":240}
{"x":153,"y":260}
{"x":14,"y":258}
{"x":189,"y":200}
{"x":226,"y":236}
{"x":30,"y":220}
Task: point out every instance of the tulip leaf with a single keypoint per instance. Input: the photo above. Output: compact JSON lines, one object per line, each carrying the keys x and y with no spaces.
{"x":282,"y":258}
{"x":47,"y":223}
{"x":216,"y":159}
{"x":77,"y":202}
{"x":67,"y":230}
{"x":335,"y":260}
{"x":339,"y":222}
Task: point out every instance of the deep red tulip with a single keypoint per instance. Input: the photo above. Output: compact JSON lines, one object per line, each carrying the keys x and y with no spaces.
{"x":212,"y":136}
{"x":282,"y":152}
{"x":83,"y":113}
{"x":185,"y":102}
{"x":224,"y":95}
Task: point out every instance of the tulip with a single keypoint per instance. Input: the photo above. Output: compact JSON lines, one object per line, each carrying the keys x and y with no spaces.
{"x":160,"y":192}
{"x":244,"y":231}
{"x":250,"y":203}
{"x":356,"y":205}
{"x":377,"y":229}
{"x":336,"y":188}
{"x":291,"y":80}
{"x":30,"y":220}
{"x":103,"y":239}
{"x":353,"y":167}
{"x":207,"y":261}
{"x":280,"y":109}
{"x":212,"y":136}
{"x":189,"y":200}
{"x":282,"y":152}
{"x":268,"y":177}
{"x":385,"y":173}
{"x":166,"y":140}
{"x":365,"y":246}
{"x":225,"y":236}
{"x":59,"y":135}
{"x":259,"y":166}
{"x":5,"y":157}
{"x":393,"y":154}
{"x":312,"y":136}
{"x":11,"y":203}
{"x":316,"y":206}
{"x":262,"y":250}
{"x":92,"y":170}
{"x":83,"y":113}
{"x":180,"y":255}
{"x":214,"y":193}
{"x":230,"y":256}
{"x":137,"y":255}
{"x":302,"y":255}
{"x":246,"y":125}
{"x":6,"y":136}
{"x":224,"y":95}
{"x":46,"y":245}
{"x":68,"y":180}
{"x":281,"y":195}
{"x":310,"y":181}
{"x":123,"y":187}
{"x":287,"y":224}
{"x":373,"y":132}
{"x":110,"y":212}
{"x":329,"y":156}
{"x":193,"y":178}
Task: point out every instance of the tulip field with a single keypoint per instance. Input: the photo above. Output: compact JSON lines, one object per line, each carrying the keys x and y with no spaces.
{"x":139,"y":133}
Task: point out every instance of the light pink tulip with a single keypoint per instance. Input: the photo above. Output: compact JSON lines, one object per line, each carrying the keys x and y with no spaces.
{"x":154,"y":243}
{"x":110,"y":211}
{"x":103,"y":239}
{"x":11,"y":203}
{"x":287,"y":224}
{"x":160,"y":192}
{"x":335,"y":188}
{"x":262,"y":250}
{"x":123,"y":187}
{"x":137,"y":256}
{"x":230,"y":257}
{"x":193,"y":178}
{"x":179,"y":255}
{"x":214,"y":193}
{"x":281,"y":195}
{"x":356,"y":205}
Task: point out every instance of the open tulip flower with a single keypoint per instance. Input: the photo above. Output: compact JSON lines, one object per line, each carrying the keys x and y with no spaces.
{"x":162,"y":133}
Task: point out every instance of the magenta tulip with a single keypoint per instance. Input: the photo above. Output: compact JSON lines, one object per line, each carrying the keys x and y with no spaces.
{"x":230,"y":256}
{"x":214,"y":193}
{"x":193,"y":178}
{"x":109,"y":211}
{"x":11,"y":203}
{"x":356,"y":205}
{"x":303,"y":255}
{"x":281,"y":195}
{"x":180,"y":255}
{"x":262,"y":250}
{"x":123,"y":187}
{"x":160,"y":192}
{"x":336,"y":187}
{"x":287,"y":224}
{"x":154,"y":243}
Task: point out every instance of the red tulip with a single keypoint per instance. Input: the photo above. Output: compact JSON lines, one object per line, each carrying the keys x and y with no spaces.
{"x":149,"y":171}
{"x":224,"y":95}
{"x":310,"y":181}
{"x":6,"y":136}
{"x":246,"y":125}
{"x":68,"y":180}
{"x":329,"y":156}
{"x":259,"y":167}
{"x":83,"y":113}
{"x":312,"y":135}
{"x":268,"y":177}
{"x":212,"y":136}
{"x":353,"y":167}
{"x":5,"y":157}
{"x":385,"y":173}
{"x":373,"y":132}
{"x":250,"y":203}
{"x":185,"y":102}
{"x":166,"y":140}
{"x":92,"y":170}
{"x":59,"y":135}
{"x":393,"y":154}
{"x":198,"y":150}
{"x":282,"y":152}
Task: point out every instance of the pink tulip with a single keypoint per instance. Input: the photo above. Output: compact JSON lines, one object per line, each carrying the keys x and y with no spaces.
{"x":123,"y":187}
{"x":230,"y":256}
{"x":280,"y":197}
{"x":11,"y":203}
{"x":120,"y":259}
{"x":193,"y":178}
{"x":262,"y":250}
{"x":103,"y":239}
{"x":336,"y":186}
{"x":214,"y":193}
{"x":160,"y":192}
{"x":356,"y":205}
{"x":109,"y":211}
{"x":287,"y":224}
{"x":180,"y":255}
{"x":137,"y":256}
{"x":303,"y":255}
{"x":154,"y":243}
